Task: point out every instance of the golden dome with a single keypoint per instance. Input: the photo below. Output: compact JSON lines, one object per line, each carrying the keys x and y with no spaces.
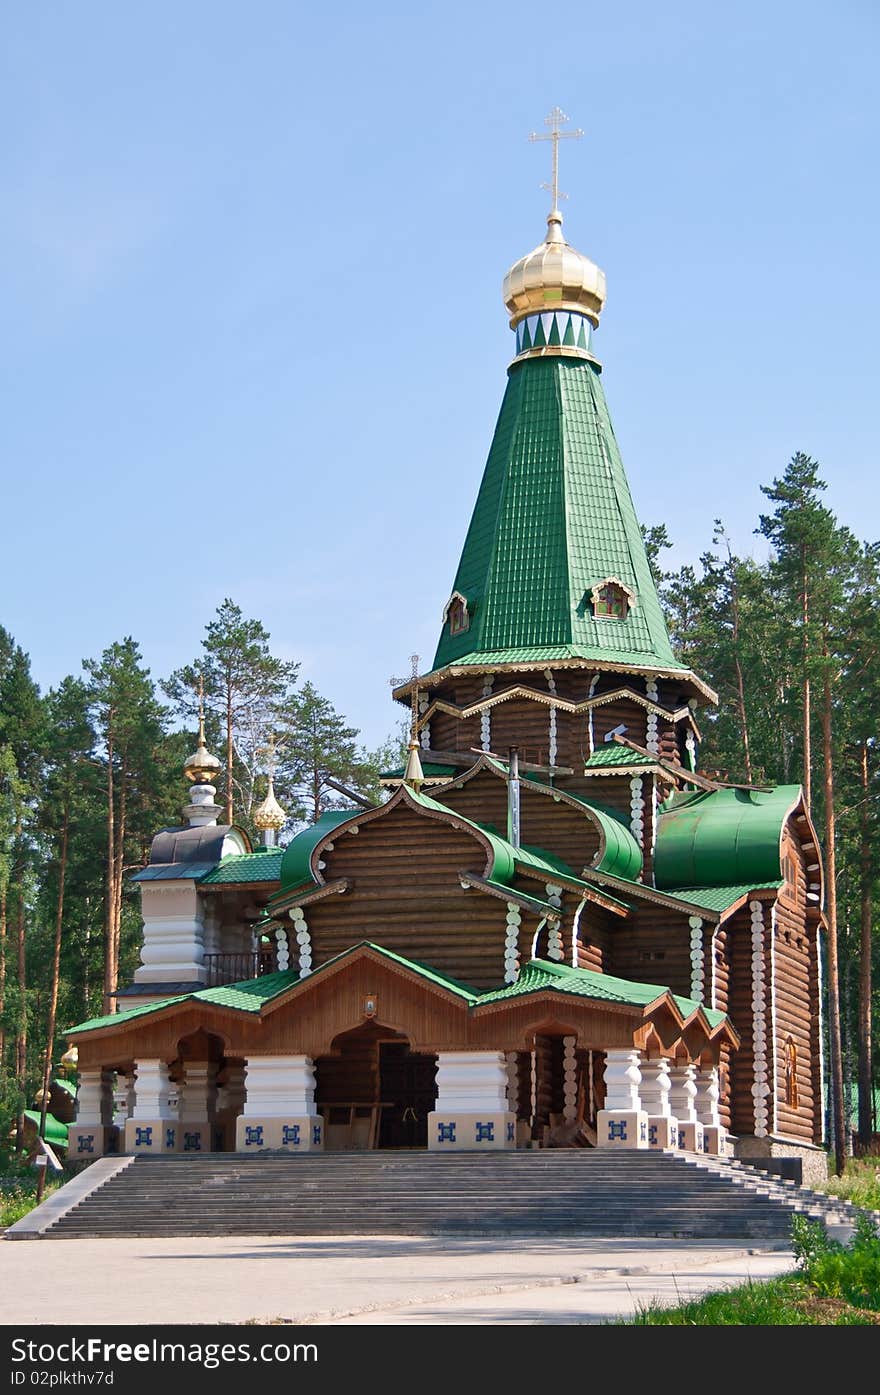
{"x":201,"y":768}
{"x":269,"y":814}
{"x":554,"y":277}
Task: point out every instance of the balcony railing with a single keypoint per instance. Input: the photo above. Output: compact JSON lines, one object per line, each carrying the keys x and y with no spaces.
{"x":234,"y":968}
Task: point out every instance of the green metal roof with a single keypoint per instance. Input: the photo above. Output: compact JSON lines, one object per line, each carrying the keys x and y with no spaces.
{"x":296,"y":861}
{"x":264,"y":865}
{"x":537,"y":976}
{"x":56,"y":1132}
{"x":66,"y":1085}
{"x":541,"y":976}
{"x":717,"y":898}
{"x":723,"y":837}
{"x":611,"y":756}
{"x":247,"y":996}
{"x":553,"y":517}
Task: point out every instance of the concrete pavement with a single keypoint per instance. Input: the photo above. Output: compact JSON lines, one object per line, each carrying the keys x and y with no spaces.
{"x":362,"y":1279}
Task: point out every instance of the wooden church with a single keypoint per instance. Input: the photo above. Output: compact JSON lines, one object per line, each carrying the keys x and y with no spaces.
{"x":555,"y":932}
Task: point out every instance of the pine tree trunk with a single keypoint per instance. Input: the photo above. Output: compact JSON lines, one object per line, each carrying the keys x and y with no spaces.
{"x":21,"y":1026}
{"x":808,"y":744}
{"x":118,"y":865}
{"x":740,"y":686}
{"x":56,"y":973}
{"x":831,"y":915}
{"x":229,"y":809}
{"x":110,"y":902}
{"x":865,"y":947}
{"x":3,"y":928}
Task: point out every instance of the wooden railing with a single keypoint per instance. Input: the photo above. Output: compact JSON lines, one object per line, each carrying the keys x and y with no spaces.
{"x":234,"y":968}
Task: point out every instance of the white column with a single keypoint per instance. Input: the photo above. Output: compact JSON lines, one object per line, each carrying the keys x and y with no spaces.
{"x":94,"y":1097}
{"x":622,"y":1079}
{"x":153,"y":1091}
{"x":472,"y":1109}
{"x":655,"y":1087}
{"x":173,"y":949}
{"x":153,"y":1125}
{"x":623,"y":1122}
{"x":682,"y":1094}
{"x":94,"y":1132}
{"x":279,"y":1110}
{"x":708,"y":1113}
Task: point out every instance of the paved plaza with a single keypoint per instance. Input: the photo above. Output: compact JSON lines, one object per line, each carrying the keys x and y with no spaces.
{"x":362,"y":1279}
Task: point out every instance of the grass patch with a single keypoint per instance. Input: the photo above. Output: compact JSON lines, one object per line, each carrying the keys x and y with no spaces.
{"x":18,"y":1195}
{"x":787,"y":1302}
{"x":834,"y":1286}
{"x":860,"y":1183}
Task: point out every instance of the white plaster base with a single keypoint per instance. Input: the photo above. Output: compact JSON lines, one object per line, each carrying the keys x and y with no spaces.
{"x":617,"y":1128}
{"x":453,"y":1131}
{"x":690,"y":1136}
{"x":303,"y":1133}
{"x":715,"y":1140}
{"x":88,"y":1141}
{"x":152,"y":1136}
{"x":662,"y":1131}
{"x":195,"y":1136}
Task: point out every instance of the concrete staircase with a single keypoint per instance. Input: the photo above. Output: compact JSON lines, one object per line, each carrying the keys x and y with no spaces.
{"x":559,"y":1193}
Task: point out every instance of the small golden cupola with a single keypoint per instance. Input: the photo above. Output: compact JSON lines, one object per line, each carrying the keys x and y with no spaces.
{"x":554,"y":295}
{"x":269,"y":817}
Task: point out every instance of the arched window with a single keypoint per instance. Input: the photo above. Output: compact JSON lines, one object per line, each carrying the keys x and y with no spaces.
{"x":611,"y":600}
{"x":791,"y":1080}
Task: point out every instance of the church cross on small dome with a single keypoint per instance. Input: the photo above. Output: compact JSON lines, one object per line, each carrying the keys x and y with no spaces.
{"x":556,"y":120}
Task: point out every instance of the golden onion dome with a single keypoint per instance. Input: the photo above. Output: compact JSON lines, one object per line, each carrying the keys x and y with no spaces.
{"x":554,"y":276}
{"x":201,"y":768}
{"x":269,"y":814}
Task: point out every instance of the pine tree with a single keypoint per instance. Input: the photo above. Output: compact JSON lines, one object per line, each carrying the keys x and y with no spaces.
{"x":130,"y":726}
{"x":244,"y":684}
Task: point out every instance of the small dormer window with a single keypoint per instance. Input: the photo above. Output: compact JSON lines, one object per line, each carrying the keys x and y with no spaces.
{"x":611,"y":600}
{"x":456,"y":614}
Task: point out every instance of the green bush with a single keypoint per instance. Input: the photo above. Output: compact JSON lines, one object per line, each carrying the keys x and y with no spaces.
{"x":848,"y":1272}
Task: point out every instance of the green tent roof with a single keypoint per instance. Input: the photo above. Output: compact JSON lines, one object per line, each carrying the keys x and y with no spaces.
{"x":56,"y":1132}
{"x":553,"y":518}
{"x":720,"y":838}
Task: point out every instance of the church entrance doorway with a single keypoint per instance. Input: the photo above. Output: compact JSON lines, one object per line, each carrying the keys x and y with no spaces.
{"x":374,"y":1092}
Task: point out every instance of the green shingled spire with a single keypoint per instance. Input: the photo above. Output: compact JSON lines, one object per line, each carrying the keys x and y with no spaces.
{"x":554,"y":518}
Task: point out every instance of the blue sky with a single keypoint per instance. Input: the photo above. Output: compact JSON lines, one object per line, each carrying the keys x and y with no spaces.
{"x":254,"y":340}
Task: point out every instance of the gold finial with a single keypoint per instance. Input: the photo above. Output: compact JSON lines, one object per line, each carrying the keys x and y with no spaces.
{"x":269,"y":816}
{"x":413,"y":775}
{"x":556,"y":120}
{"x":201,"y":768}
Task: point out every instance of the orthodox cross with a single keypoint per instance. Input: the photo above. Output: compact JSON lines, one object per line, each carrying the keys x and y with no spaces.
{"x":556,"y":120}
{"x":270,"y":753}
{"x":413,"y":695}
